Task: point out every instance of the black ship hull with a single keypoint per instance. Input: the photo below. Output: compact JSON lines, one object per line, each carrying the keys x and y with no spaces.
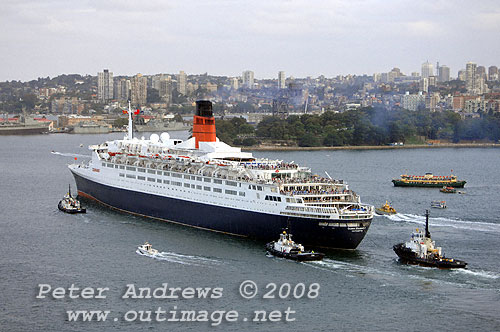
{"x":295,"y":255}
{"x":315,"y":233}
{"x":407,"y":256}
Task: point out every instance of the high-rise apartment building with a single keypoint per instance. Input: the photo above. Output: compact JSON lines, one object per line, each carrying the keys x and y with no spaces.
{"x":248,"y":79}
{"x":122,"y":89}
{"x":427,"y":69}
{"x":470,"y":77}
{"x":461,"y":75}
{"x":105,"y":86}
{"x":443,"y":74}
{"x":424,"y":84}
{"x":182,"y":83}
{"x":165,"y":89}
{"x":139,"y":90}
{"x":281,"y":80}
{"x":493,"y":73}
{"x":481,"y":72}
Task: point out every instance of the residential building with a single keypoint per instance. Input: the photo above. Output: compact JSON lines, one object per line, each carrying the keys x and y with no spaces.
{"x":470,"y":77}
{"x":413,"y":102}
{"x":248,"y":79}
{"x":139,"y":90}
{"x":461,"y":75}
{"x":281,"y":80}
{"x":165,"y":89}
{"x":235,"y":83}
{"x":182,"y":83}
{"x":105,"y":86}
{"x":493,"y":73}
{"x":424,"y":84}
{"x":122,"y":89}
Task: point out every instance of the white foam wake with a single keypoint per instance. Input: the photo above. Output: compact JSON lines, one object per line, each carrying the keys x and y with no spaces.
{"x":70,"y":154}
{"x":182,"y":259}
{"x":445,"y":222}
{"x":479,"y":273}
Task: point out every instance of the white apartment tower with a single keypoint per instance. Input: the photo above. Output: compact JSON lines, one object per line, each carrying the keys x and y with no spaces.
{"x":281,"y":80}
{"x":248,"y":79}
{"x":427,"y":69}
{"x":471,"y":77}
{"x":182,"y":82}
{"x":105,"y":86}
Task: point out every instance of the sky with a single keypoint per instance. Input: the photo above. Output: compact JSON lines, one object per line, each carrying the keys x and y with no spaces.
{"x":302,"y":37}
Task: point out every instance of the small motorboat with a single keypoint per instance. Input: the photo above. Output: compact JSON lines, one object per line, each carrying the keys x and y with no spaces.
{"x":448,"y":190}
{"x":421,"y":250}
{"x":69,"y":204}
{"x":285,"y":247}
{"x":438,"y":204}
{"x":386,"y":209}
{"x":147,"y":249}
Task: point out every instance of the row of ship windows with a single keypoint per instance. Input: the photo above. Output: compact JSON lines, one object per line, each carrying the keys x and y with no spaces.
{"x":177,"y":175}
{"x":308,"y":209}
{"x":180,"y":184}
{"x":306,"y":215}
{"x":273,"y":198}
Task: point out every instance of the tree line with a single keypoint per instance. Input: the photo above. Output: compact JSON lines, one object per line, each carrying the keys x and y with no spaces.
{"x":365,"y":126}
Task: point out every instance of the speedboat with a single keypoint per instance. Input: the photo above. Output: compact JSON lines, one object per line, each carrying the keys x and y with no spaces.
{"x":421,"y":250}
{"x":386,"y":209}
{"x":438,"y":204}
{"x":287,"y":248}
{"x":147,"y":249}
{"x":69,"y":204}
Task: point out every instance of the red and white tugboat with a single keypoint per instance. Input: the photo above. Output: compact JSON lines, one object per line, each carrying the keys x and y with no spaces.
{"x":285,"y":247}
{"x":421,"y":250}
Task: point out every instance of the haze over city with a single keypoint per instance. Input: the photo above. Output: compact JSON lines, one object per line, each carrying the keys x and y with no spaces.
{"x":304,"y":38}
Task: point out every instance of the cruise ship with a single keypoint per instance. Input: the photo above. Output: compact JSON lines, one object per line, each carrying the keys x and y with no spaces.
{"x":204,"y":183}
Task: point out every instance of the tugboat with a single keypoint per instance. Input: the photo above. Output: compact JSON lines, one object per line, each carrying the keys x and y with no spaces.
{"x":147,"y":249}
{"x":448,"y":190}
{"x":421,"y":250}
{"x":285,"y":247}
{"x":69,"y":204}
{"x":438,"y":204}
{"x":386,"y":209}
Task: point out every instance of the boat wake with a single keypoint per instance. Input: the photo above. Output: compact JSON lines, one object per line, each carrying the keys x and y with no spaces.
{"x":70,"y":154}
{"x":445,"y":222}
{"x":182,"y":259}
{"x":333,"y":265}
{"x":478,"y":273}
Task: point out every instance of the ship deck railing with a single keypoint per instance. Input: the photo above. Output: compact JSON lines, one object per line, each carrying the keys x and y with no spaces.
{"x":183,"y":166}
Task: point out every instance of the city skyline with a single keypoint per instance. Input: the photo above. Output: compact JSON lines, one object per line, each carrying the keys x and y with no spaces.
{"x":226,"y":38}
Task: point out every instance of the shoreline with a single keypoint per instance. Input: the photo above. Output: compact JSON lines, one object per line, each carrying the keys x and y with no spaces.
{"x":372,"y":147}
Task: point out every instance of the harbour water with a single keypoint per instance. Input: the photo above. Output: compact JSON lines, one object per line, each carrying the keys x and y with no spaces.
{"x":365,"y":289}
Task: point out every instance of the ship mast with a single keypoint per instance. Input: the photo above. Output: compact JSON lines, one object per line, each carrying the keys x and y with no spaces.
{"x":427,"y":233}
{"x":129,"y":127}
